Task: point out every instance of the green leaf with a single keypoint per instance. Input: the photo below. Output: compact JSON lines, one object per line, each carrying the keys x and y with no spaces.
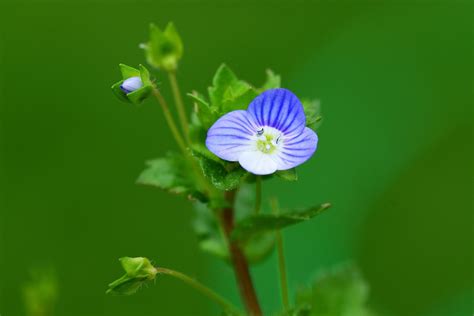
{"x":238,"y":97}
{"x":164,"y":49}
{"x":206,"y":115}
{"x":212,"y":240}
{"x":224,"y":178}
{"x":339,"y":292}
{"x":228,"y":93}
{"x":312,"y":110}
{"x":210,"y":237}
{"x":288,"y":175}
{"x":273,"y":81}
{"x":223,"y":78}
{"x":261,"y":223}
{"x":173,"y":174}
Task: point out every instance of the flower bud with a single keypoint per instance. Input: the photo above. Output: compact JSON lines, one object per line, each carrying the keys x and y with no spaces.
{"x":131,"y":84}
{"x":138,"y":271}
{"x":135,"y":85}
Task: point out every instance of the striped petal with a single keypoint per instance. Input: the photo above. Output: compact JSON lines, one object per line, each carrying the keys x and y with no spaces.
{"x":297,"y":149}
{"x":280,"y":109}
{"x":258,"y":162}
{"x":231,"y":135}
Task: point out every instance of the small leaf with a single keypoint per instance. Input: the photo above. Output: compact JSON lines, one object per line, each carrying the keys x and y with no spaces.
{"x":207,"y":116}
{"x":223,"y":78}
{"x":223,"y":178}
{"x":238,"y":97}
{"x":312,"y":110}
{"x":173,"y":174}
{"x":341,"y":291}
{"x":288,"y":175}
{"x":212,"y":240}
{"x":261,"y":223}
{"x":228,"y":93}
{"x":273,"y":81}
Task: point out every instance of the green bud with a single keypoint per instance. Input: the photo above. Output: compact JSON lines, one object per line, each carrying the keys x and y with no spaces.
{"x":135,"y":85}
{"x":138,"y":271}
{"x":164,"y":49}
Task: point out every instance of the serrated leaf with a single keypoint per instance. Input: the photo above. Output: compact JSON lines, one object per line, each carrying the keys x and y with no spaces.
{"x":228,"y":93}
{"x":288,"y":175}
{"x":272,"y":81}
{"x":312,"y":110}
{"x":238,"y":97}
{"x":223,"y":78}
{"x":206,"y":115}
{"x":223,"y":178}
{"x":171,"y":173}
{"x":339,"y":292}
{"x":261,"y":223}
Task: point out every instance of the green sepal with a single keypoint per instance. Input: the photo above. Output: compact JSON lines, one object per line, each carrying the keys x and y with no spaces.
{"x":262,"y":223}
{"x":139,"y":95}
{"x":138,"y":271}
{"x":224,"y":177}
{"x":128,"y":72}
{"x":164,"y":49}
{"x":340,"y":291}
{"x":173,"y":174}
{"x":312,"y":110}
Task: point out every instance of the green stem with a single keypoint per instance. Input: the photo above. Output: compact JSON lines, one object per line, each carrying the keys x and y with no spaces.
{"x":258,"y":194}
{"x":226,"y":305}
{"x":179,"y":105}
{"x":281,"y":262}
{"x":170,"y":120}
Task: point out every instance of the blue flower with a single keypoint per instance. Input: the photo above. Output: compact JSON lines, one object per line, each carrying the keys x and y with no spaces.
{"x":131,"y":84}
{"x":271,"y":135}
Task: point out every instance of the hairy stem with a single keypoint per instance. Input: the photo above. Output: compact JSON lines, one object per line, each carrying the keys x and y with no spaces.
{"x":239,"y":261}
{"x":281,"y":261}
{"x":179,"y":104}
{"x":170,"y":120}
{"x":226,"y":305}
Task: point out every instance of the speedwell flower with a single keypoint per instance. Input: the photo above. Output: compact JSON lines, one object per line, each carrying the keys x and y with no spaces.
{"x":270,"y":135}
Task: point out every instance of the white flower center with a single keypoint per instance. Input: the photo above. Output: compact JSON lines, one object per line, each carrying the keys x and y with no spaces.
{"x":268,"y":140}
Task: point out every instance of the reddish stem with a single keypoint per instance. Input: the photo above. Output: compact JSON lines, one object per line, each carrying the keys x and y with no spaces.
{"x":239,"y":261}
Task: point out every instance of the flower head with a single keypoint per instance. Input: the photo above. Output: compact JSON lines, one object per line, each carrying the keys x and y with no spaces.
{"x":270,"y":135}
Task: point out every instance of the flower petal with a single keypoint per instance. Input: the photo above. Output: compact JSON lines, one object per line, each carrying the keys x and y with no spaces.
{"x":297,"y":150}
{"x":231,"y":135}
{"x":257,"y":162}
{"x":280,"y":109}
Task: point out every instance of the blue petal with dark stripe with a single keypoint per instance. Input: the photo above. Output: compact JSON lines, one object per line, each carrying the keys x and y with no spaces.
{"x":280,"y":109}
{"x":231,"y":135}
{"x":297,"y":149}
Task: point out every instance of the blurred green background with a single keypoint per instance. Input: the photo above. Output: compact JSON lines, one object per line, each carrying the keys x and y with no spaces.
{"x":395,"y":80}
